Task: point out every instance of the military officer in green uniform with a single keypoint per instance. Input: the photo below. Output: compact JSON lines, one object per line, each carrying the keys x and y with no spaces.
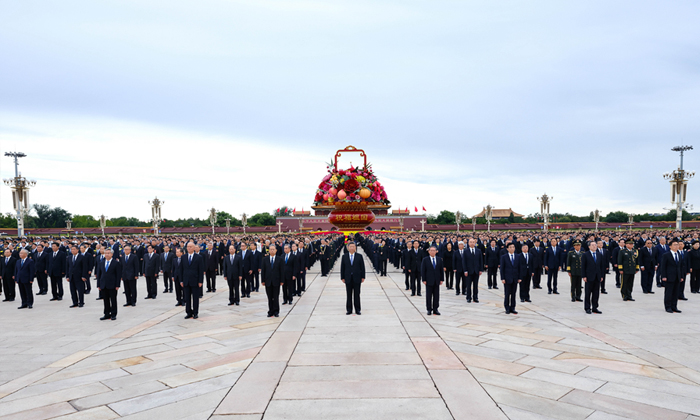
{"x":627,"y":264}
{"x":573,"y":267}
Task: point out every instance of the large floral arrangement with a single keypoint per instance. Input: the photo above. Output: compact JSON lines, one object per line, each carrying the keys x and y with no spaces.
{"x":354,"y":185}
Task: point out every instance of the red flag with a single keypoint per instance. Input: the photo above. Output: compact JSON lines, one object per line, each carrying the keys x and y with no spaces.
{"x":416,"y":209}
{"x":278,"y":210}
{"x":406,"y":209}
{"x":423,"y":208}
{"x":295,"y":210}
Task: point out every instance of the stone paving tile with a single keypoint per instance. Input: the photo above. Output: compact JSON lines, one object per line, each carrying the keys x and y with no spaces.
{"x":354,"y":373}
{"x":337,"y":389}
{"x":377,"y":409}
{"x":620,"y":407}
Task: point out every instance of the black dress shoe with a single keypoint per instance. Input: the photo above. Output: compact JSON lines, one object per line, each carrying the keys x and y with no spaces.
{"x":677,"y":311}
{"x":631,"y":300}
{"x":528,"y":300}
{"x":469,"y":301}
{"x":588,"y":311}
{"x":277,"y":315}
{"x":52,"y":299}
{"x":99,"y":298}
{"x":579,"y":300}
{"x":556,"y":293}
{"x":573,"y":300}
{"x":495,"y":287}
{"x":549,"y":293}
{"x":73,"y":306}
{"x":237,"y":304}
{"x":682,"y":298}
{"x":514,"y":312}
{"x":269,"y":315}
{"x":436,"y":312}
{"x":230,"y":304}
{"x":595,"y":311}
{"x":605,"y":293}
{"x":476,"y":300}
{"x":360,"y":313}
{"x":126,"y":304}
{"x":165,"y":291}
{"x":522,"y":300}
{"x":457,"y":293}
{"x":21,"y":307}
{"x":188,"y":316}
{"x":507,"y":311}
{"x":196,"y":316}
{"x":87,"y":292}
{"x":669,"y":311}
{"x":148,"y":297}
{"x":430,"y":312}
{"x":413,"y":294}
{"x":104,"y":317}
{"x":419,"y":294}
{"x":30,"y":306}
{"x":284,"y":303}
{"x":114,"y":318}
{"x":652,"y":292}
{"x":348,"y":313}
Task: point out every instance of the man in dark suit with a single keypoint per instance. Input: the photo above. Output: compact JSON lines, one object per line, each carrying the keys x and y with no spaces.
{"x":510,"y":277}
{"x":109,"y":280}
{"x":553,"y":257}
{"x":232,"y":275}
{"x":151,"y":268}
{"x":605,"y":253}
{"x":352,"y":274}
{"x":25,"y":270}
{"x":191,"y":279}
{"x":245,"y":264}
{"x":56,"y":270}
{"x":493,"y":258}
{"x":473,"y":266}
{"x":272,"y":278}
{"x":41,"y":258}
{"x":432,"y":274}
{"x":300,"y":256}
{"x":537,"y":253}
{"x":177,"y":261}
{"x":131,"y":267}
{"x":526,"y":269}
{"x":166,"y":267}
{"x":414,"y":262}
{"x":211,"y":266}
{"x":592,"y":264}
{"x":90,"y":264}
{"x":671,"y":269}
{"x":257,"y":266}
{"x":647,"y":265}
{"x":661,"y":249}
{"x":324,"y":254}
{"x":404,"y":261}
{"x":8,"y":275}
{"x":291,"y":268}
{"x":76,"y":275}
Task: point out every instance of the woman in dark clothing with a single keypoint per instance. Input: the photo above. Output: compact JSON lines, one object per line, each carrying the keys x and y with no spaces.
{"x":447,"y":264}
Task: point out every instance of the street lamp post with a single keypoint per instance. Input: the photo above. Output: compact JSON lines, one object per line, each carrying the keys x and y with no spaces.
{"x":212,"y":219}
{"x":679,"y":186}
{"x":401,"y":222}
{"x":630,"y":220}
{"x":544,"y":209}
{"x":422,"y":225}
{"x":489,"y":215}
{"x":103,"y":224}
{"x":301,"y":224}
{"x":279,"y":227}
{"x":473,"y":224}
{"x":244,"y":221}
{"x":458,"y":219}
{"x":20,"y":192}
{"x":228,"y":226}
{"x":68,"y":224}
{"x":596,"y":218}
{"x":156,"y":205}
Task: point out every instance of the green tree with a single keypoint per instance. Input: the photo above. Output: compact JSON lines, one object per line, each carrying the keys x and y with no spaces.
{"x":262,"y":219}
{"x":8,"y":221}
{"x":617,"y":217}
{"x":446,"y":217}
{"x":282,"y":211}
{"x":47,"y":217}
{"x":511,"y":218}
{"x":221,"y":217}
{"x":81,"y":221}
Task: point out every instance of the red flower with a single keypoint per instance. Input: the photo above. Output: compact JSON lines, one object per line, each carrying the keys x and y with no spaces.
{"x":351,"y":185}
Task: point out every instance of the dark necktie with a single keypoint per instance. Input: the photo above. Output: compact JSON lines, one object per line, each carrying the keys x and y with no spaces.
{"x":676,"y":257}
{"x":594,"y":258}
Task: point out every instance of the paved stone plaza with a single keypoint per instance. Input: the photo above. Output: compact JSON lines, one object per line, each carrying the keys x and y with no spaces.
{"x":551,"y":361}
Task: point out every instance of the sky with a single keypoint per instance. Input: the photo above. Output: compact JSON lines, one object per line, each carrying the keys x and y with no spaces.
{"x":239,"y":105}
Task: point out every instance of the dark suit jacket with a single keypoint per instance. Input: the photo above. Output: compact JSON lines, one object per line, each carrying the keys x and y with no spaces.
{"x":8,"y":270}
{"x":245,"y":264}
{"x":151,"y":264}
{"x":592,"y":269}
{"x":291,"y":268}
{"x":432,"y":276}
{"x":130,"y":269}
{"x":415,"y":260}
{"x":510,"y":272}
{"x":56,"y":266}
{"x":110,"y":278}
{"x":525,"y":265}
{"x":166,"y":265}
{"x":458,"y":260}
{"x":537,"y":257}
{"x":473,"y":262}
{"x":493,"y":257}
{"x":646,"y":260}
{"x":232,"y":270}
{"x":552,"y":261}
{"x":272,"y":276}
{"x":352,"y":272}
{"x":669,"y":269}
{"x":78,"y":270}
{"x":211,"y":262}
{"x":42,"y":262}
{"x":24,"y":273}
{"x":192,"y":273}
{"x":176,"y":268}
